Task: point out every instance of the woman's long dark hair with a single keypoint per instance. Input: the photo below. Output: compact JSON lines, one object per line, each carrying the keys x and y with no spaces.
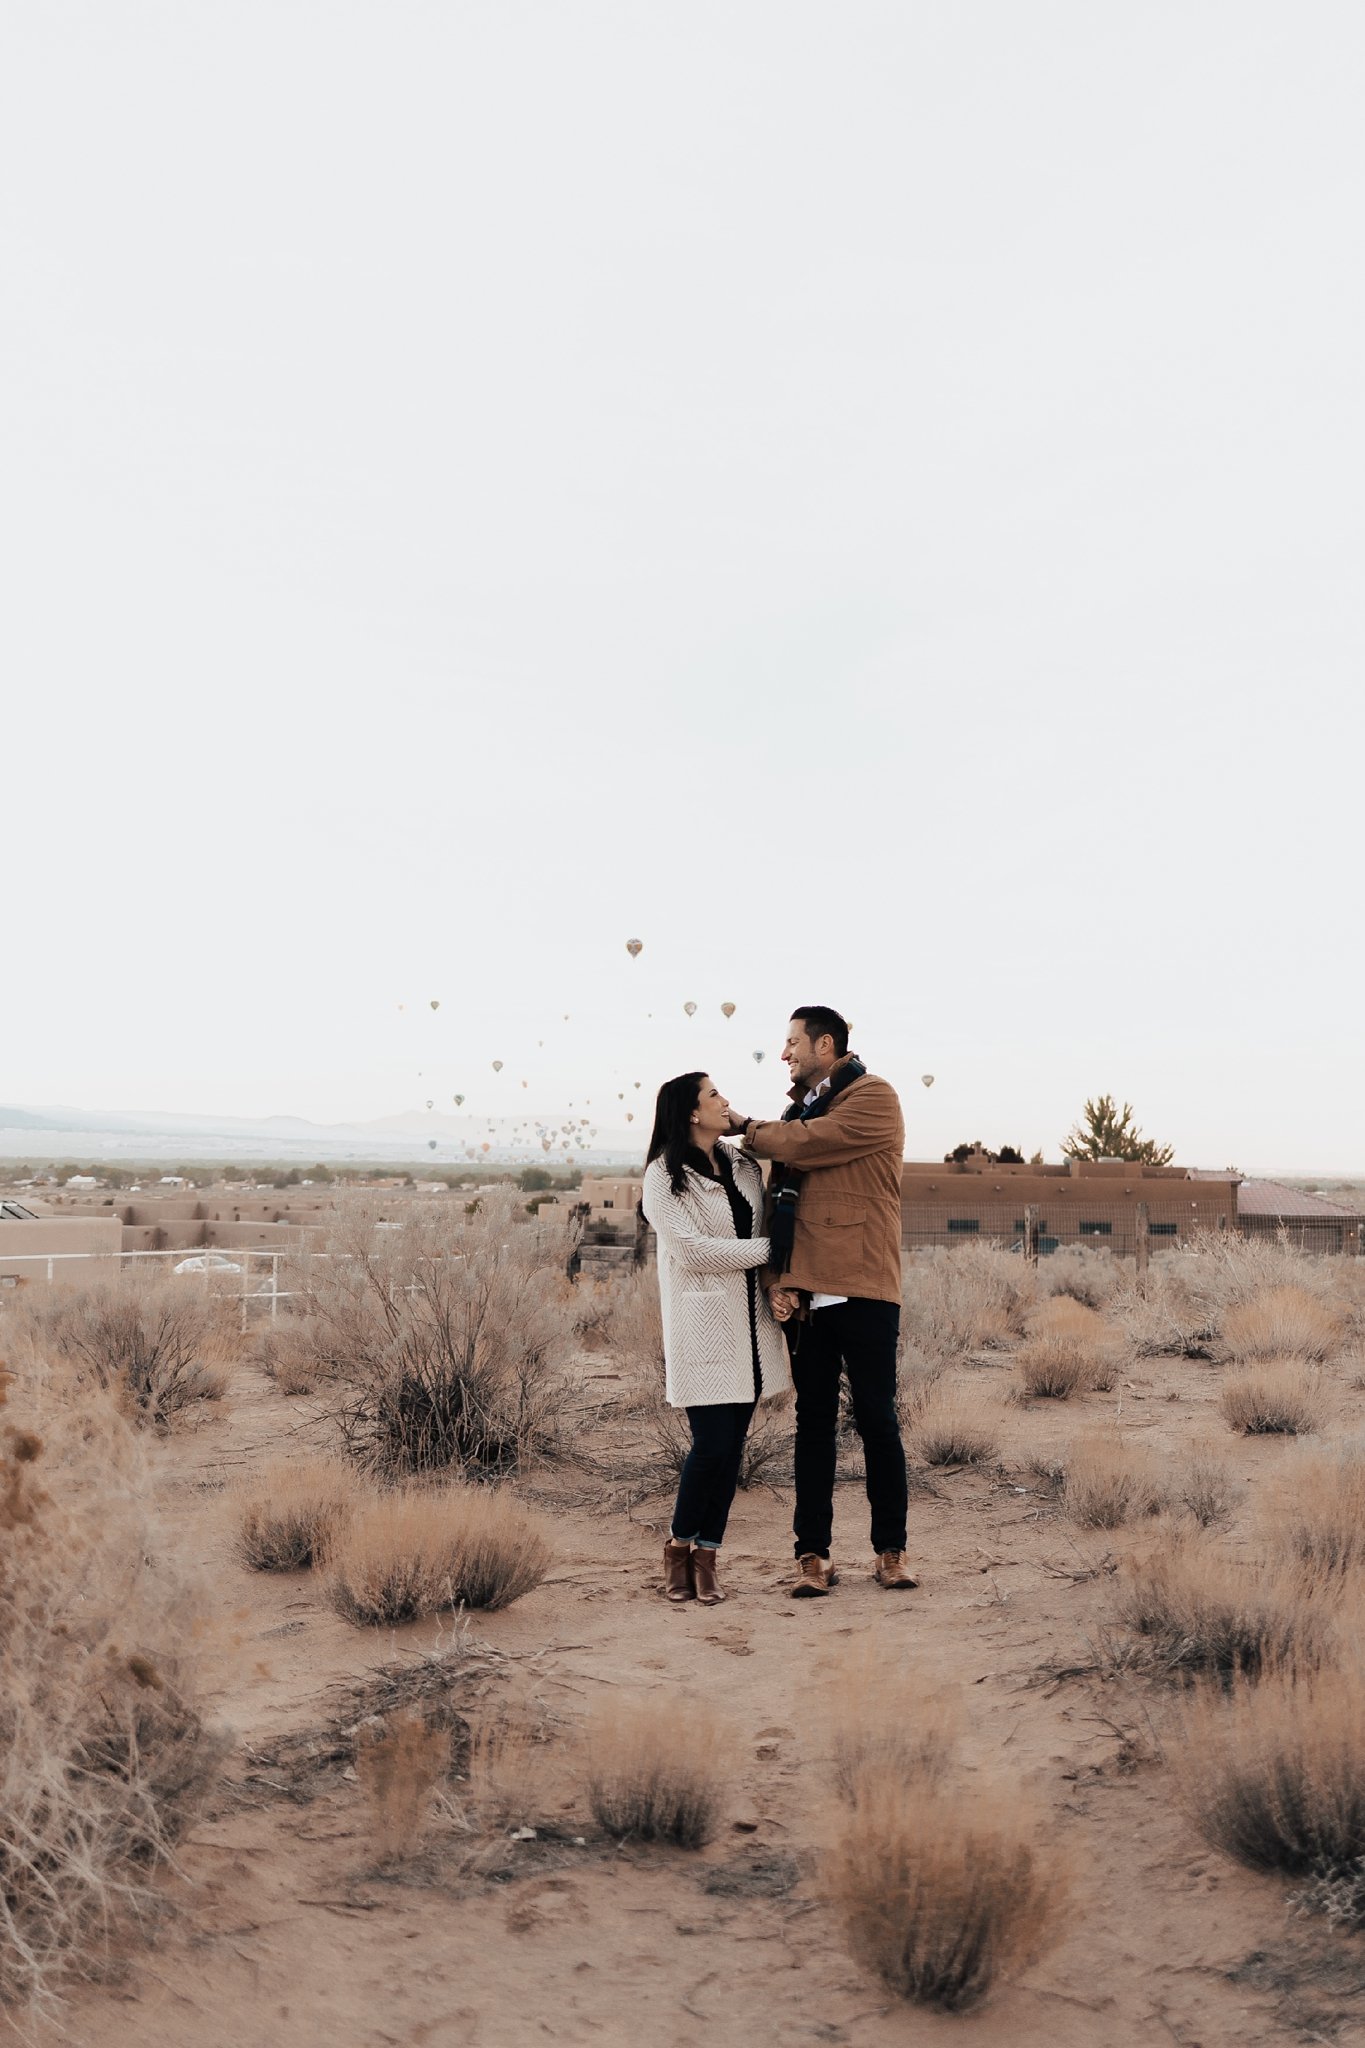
{"x":672,"y":1139}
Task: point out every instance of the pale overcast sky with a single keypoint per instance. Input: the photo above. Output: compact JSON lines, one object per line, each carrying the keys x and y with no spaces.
{"x":867,"y":499}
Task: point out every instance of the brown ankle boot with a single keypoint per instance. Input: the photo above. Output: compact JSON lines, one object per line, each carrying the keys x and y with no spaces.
{"x":704,"y":1577}
{"x":679,"y":1583}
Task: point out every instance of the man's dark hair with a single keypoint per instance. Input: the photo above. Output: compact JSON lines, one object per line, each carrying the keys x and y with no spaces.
{"x":818,"y":1019}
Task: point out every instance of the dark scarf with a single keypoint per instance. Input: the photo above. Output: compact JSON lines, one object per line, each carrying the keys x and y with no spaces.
{"x":786,"y":1180}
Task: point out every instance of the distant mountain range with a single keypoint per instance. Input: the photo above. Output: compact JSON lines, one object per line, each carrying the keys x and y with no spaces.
{"x":61,"y":1130}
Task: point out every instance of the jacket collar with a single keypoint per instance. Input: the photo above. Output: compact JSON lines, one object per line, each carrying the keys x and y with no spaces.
{"x":796,"y":1093}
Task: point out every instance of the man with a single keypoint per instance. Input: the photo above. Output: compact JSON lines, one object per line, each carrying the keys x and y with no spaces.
{"x":836,"y":1232}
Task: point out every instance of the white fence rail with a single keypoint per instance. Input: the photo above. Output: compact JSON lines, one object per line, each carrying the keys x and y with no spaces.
{"x":237,"y":1272}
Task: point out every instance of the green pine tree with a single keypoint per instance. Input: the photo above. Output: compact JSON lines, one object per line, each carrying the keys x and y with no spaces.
{"x":1105,"y":1132}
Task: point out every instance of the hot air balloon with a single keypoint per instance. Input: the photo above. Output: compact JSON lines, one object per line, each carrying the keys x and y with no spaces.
{"x":525,"y":1084}
{"x":758,"y":1059}
{"x":630,"y":1116}
{"x":484,"y":1146}
{"x":690,"y":1008}
{"x":634,"y":947}
{"x":431,"y":1144}
{"x":727,"y":1009}
{"x":430,"y":1103}
{"x":458,"y":1099}
{"x":928,"y":1080}
{"x":497,"y":1066}
{"x":434,"y":1004}
{"x":637,"y":1084}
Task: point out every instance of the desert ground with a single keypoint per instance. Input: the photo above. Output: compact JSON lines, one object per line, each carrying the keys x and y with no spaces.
{"x":310,"y":1900}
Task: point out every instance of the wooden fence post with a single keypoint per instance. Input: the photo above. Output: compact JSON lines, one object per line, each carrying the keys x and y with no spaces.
{"x":1141,"y":1238}
{"x":1031,"y":1233}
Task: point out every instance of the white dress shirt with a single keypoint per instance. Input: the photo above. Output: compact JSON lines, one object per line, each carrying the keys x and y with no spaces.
{"x":821,"y":1300}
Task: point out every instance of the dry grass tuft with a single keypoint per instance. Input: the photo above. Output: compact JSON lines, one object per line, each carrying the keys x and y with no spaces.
{"x":1204,"y":1614}
{"x":1275,"y":1776}
{"x":155,"y":1344}
{"x":1069,"y":1349}
{"x":973,"y":1297}
{"x":1321,"y":1510}
{"x":1282,"y":1398}
{"x":104,"y":1756}
{"x":654,"y":1771}
{"x":1206,"y":1488}
{"x":942,"y":1891}
{"x":410,"y":1555}
{"x":1107,"y":1481}
{"x":1281,"y":1322}
{"x":399,"y":1771}
{"x":287,"y":1517}
{"x":882,"y":1723}
{"x":949,"y":1430}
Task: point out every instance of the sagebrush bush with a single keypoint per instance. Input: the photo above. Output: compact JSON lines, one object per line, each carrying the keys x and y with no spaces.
{"x":399,"y":1769}
{"x":655,"y":1771}
{"x":1069,"y":1349}
{"x":1183,"y":1303}
{"x":1321,"y":1509}
{"x":1206,"y":1488}
{"x":1274,"y":1774}
{"x":951,"y":1430}
{"x":441,"y":1343}
{"x":155,"y":1342}
{"x":881,"y":1721}
{"x":1108,"y":1480}
{"x":1280,"y":1398}
{"x":942,"y":1889}
{"x":287,"y":1516}
{"x":1281,"y":1322}
{"x":973,"y":1297}
{"x":1203,"y":1613}
{"x":105,"y":1757}
{"x":409,"y":1555}
{"x":286,"y":1352}
{"x":1086,"y":1274}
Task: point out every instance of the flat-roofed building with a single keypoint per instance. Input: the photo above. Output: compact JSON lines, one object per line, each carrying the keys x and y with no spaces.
{"x":1267,"y":1208}
{"x":1101,"y":1203}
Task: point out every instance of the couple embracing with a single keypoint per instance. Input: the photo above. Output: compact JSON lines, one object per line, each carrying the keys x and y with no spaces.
{"x":797,"y":1285}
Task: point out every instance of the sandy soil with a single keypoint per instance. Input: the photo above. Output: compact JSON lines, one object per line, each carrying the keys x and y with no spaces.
{"x":282,"y":1934}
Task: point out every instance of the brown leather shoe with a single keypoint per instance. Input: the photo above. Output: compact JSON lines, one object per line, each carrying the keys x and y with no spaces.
{"x":704,"y":1577}
{"x":679,"y":1583}
{"x":893,"y":1572}
{"x":814,"y":1575}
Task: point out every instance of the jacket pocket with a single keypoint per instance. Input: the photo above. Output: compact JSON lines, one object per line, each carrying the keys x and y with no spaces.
{"x":832,"y":1212}
{"x":706,"y":1328}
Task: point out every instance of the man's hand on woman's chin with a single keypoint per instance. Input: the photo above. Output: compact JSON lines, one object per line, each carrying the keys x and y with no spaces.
{"x":737,"y":1123}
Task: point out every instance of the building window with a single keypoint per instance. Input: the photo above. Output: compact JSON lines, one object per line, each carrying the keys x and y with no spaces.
{"x":1039,"y":1223}
{"x":1095,"y":1229}
{"x":963,"y":1226}
{"x":1162,"y":1229}
{"x":608,"y":1205}
{"x":1047,"y":1244}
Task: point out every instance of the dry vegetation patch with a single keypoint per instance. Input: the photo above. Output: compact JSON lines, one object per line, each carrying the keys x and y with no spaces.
{"x":971,"y":1298}
{"x":941,"y":1889}
{"x":287,"y":1517}
{"x":1107,"y":1480}
{"x":1321,"y":1508}
{"x":1206,"y":1488}
{"x":882,"y":1723}
{"x":654,"y":1771}
{"x":1281,"y":1398}
{"x":1203,"y":1613}
{"x":950,"y":1429}
{"x":154,"y":1343}
{"x":1282,"y":1323}
{"x":1069,"y":1349}
{"x":1275,"y":1776}
{"x":104,"y":1755}
{"x":409,"y":1555}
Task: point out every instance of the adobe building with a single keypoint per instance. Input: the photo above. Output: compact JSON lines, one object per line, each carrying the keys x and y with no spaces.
{"x":39,"y":1248}
{"x":1100,"y":1203}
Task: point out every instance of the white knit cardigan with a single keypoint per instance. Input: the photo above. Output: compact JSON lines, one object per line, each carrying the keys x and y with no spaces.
{"x":703,"y":1292}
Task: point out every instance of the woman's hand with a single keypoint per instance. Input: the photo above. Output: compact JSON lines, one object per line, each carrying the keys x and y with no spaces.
{"x":784,"y":1302}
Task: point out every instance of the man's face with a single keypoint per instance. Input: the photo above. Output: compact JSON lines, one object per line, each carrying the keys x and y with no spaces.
{"x":806,"y":1062}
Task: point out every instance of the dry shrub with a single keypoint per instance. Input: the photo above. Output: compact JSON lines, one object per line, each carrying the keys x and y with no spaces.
{"x":287,"y":1517}
{"x":441,"y":1342}
{"x":654,"y":1771}
{"x":1184,"y":1301}
{"x":1204,"y":1614}
{"x":1206,"y":1488}
{"x":949,"y":1430}
{"x":883,"y":1723}
{"x":399,"y":1771}
{"x":285,"y":1351}
{"x":411,"y":1554}
{"x":157,"y":1344}
{"x":1281,"y":1322}
{"x":104,"y":1756}
{"x":1107,"y":1481}
{"x":509,"y":1770}
{"x":1069,"y":1350}
{"x":1082,"y":1272}
{"x":1321,"y":1516}
{"x":1281,"y":1398}
{"x":973,"y":1297}
{"x":942,"y":1889}
{"x":1274,"y":1775}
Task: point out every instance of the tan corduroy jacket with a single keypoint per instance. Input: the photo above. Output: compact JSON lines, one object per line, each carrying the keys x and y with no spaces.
{"x":848,"y":1217}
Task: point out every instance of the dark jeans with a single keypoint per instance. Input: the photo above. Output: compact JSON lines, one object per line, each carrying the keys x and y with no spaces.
{"x":710,"y":1472}
{"x":859,"y":1338}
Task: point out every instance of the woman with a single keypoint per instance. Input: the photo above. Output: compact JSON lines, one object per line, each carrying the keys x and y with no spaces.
{"x":723,"y":1351}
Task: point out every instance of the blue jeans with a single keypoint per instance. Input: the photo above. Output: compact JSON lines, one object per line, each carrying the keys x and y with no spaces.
{"x":710,"y":1471}
{"x":857,"y":1338}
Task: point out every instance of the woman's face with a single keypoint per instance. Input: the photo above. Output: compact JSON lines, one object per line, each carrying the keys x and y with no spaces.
{"x":712,"y":1113}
